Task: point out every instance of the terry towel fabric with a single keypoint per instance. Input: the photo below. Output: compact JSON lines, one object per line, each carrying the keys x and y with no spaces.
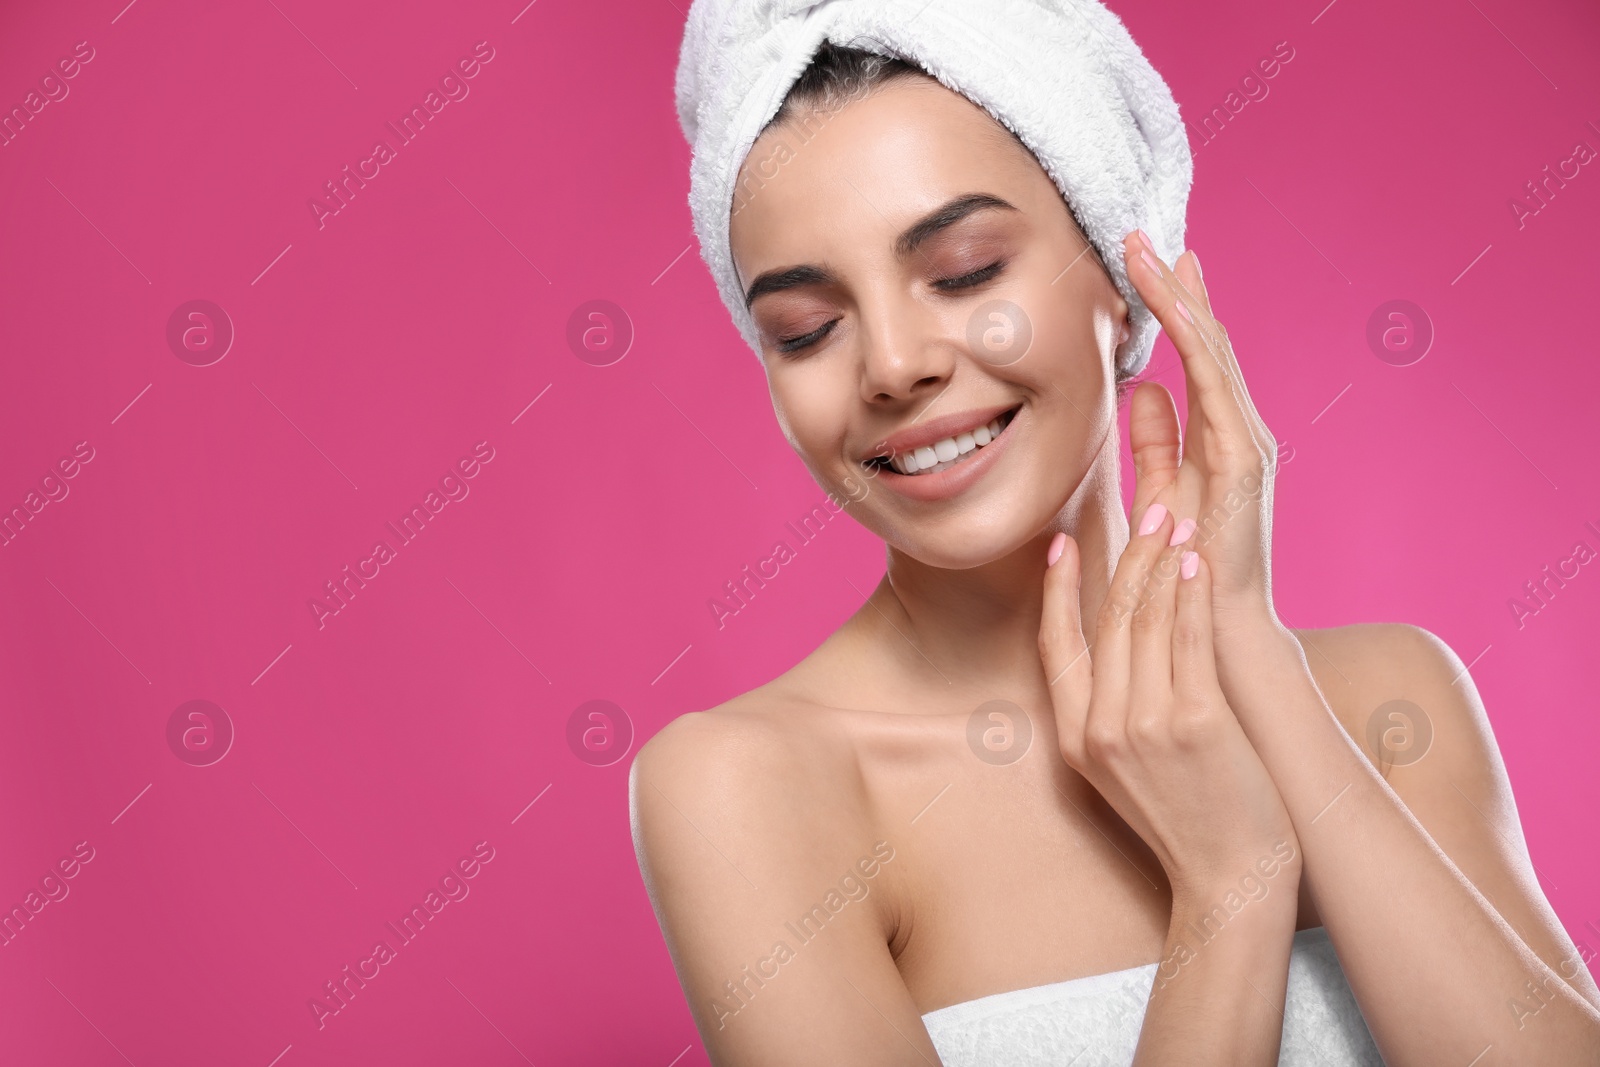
{"x":1064,"y":75}
{"x":1095,"y":1021}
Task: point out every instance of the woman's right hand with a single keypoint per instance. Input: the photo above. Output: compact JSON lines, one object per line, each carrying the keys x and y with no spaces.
{"x":1143,"y":717}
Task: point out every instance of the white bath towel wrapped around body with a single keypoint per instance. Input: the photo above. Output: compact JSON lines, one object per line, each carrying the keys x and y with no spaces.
{"x":1064,"y":75}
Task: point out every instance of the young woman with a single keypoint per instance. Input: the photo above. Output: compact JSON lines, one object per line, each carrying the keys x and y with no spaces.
{"x":1063,"y":791}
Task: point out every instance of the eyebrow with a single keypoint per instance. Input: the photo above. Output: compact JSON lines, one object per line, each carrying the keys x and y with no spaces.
{"x":914,"y":236}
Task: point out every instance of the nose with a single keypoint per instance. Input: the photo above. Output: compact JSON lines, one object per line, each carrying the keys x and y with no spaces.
{"x":904,"y":352}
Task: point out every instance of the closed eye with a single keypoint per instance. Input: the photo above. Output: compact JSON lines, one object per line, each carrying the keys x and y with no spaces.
{"x":787,"y":345}
{"x":794,"y":344}
{"x":977,"y":277}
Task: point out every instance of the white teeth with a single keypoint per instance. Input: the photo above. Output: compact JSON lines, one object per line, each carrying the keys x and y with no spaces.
{"x":948,"y":452}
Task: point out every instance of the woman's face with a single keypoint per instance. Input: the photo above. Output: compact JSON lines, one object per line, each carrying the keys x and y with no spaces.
{"x":916,"y":276}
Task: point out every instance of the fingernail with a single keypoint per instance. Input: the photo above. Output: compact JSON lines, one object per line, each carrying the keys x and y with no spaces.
{"x":1057,"y":543}
{"x":1154,"y":516}
{"x":1150,"y":261}
{"x":1188,"y":564}
{"x":1144,"y":238}
{"x":1181,"y":534}
{"x":1184,"y":312}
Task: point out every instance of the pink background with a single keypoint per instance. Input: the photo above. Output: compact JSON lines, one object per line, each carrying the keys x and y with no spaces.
{"x":374,"y":352}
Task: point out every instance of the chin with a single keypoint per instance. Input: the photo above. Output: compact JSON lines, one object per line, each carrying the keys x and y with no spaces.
{"x":960,"y":551}
{"x":988,"y":527}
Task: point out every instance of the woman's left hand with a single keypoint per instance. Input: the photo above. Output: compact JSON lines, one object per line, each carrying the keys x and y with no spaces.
{"x":1220,"y":472}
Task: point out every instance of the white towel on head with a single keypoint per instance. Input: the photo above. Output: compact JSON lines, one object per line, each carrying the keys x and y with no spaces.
{"x":1064,"y":75}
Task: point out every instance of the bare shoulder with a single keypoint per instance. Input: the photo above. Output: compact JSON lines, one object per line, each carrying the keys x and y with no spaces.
{"x":762,"y":790}
{"x":1409,"y":703}
{"x":756,"y":848}
{"x":729,"y":748}
{"x":1403,"y":695}
{"x":698,"y":770}
{"x":758,"y":747}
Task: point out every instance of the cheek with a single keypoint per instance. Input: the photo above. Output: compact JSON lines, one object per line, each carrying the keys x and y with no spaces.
{"x":1073,"y":345}
{"x":811,"y":408}
{"x":814,"y":405}
{"x":1069,"y":310}
{"x":1069,"y":374}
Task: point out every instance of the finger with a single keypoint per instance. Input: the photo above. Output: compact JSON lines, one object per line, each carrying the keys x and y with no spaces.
{"x":1114,"y":636}
{"x":1062,"y":649}
{"x":1150,"y":683}
{"x":1194,"y":663}
{"x":1190,"y":284}
{"x":1190,"y":275}
{"x":1156,"y":441}
{"x":1207,"y":370}
{"x":1216,"y":386}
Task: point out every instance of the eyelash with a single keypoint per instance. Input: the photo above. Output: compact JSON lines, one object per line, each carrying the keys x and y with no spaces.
{"x":788,"y":345}
{"x":977,"y":277}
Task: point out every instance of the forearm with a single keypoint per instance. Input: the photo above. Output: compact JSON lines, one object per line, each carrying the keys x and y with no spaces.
{"x":1439,"y":975}
{"x":1219,"y":989}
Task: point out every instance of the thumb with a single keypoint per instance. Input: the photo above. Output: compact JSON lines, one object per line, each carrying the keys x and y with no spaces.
{"x":1155,"y":440}
{"x":1062,"y":648}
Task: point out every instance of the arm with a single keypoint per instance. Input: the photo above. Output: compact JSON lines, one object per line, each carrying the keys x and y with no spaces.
{"x":1220,"y":986}
{"x":1460,"y":792}
{"x":1440,"y":975}
{"x":1145,"y":722}
{"x":1400,"y":912}
{"x":776,"y":926}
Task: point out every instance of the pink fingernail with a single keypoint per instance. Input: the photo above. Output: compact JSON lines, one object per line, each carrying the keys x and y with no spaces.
{"x":1150,"y":261}
{"x":1144,"y":238}
{"x":1154,"y":516}
{"x":1181,"y":534}
{"x":1057,"y":543}
{"x":1188,"y":564}
{"x":1184,"y":312}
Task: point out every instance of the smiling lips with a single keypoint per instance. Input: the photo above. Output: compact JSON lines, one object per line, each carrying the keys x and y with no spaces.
{"x":916,"y":460}
{"x":948,"y":451}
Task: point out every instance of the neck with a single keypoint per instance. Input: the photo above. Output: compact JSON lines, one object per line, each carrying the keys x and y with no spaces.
{"x":976,"y":631}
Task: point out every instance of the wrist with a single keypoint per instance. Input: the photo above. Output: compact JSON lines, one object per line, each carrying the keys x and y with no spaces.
{"x":1267,"y":883}
{"x":1252,"y":619}
{"x":1201,"y":919}
{"x":1258,"y":661}
{"x":1223,"y":928}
